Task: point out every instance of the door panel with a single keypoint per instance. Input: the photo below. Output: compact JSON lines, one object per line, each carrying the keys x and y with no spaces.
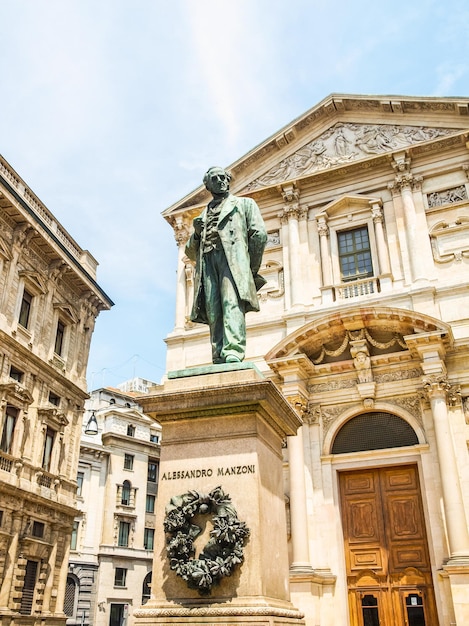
{"x":388,"y":566}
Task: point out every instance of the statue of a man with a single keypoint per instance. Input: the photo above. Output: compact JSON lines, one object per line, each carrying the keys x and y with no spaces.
{"x":227,"y":245}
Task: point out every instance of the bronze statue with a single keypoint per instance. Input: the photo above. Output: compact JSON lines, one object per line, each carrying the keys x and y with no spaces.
{"x":227,"y":245}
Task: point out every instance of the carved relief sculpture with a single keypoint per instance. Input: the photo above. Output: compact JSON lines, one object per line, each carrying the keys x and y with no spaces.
{"x":344,"y":143}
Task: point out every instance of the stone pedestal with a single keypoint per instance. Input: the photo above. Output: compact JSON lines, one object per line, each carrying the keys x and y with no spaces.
{"x":224,"y":427}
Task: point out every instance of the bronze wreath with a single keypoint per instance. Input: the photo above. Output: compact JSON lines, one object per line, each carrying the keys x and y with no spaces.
{"x":224,"y":550}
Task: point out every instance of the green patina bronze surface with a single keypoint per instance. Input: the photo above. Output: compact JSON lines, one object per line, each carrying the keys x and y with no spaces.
{"x":227,"y":245}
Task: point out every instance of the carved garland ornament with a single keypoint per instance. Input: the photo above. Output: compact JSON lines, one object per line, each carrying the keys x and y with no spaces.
{"x":222,"y":553}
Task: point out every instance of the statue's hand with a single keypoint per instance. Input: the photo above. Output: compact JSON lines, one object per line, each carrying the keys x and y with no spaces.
{"x":198,"y":224}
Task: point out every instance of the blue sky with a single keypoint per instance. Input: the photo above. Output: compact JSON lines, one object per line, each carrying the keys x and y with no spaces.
{"x":113,"y":109}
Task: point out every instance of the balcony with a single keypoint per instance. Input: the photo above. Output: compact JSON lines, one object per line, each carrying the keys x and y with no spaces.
{"x":357,"y":288}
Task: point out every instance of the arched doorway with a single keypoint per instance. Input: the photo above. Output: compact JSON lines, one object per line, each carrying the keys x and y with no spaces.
{"x":386,"y":551}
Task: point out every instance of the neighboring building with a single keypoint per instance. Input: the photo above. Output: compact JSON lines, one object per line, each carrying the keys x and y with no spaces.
{"x":49,"y":303}
{"x":112,"y":544}
{"x":364,"y":326}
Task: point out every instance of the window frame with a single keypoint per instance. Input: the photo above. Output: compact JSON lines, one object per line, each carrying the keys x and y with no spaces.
{"x":10,"y":420}
{"x":341,"y":226}
{"x":126,"y":492}
{"x":26,"y":309}
{"x":16,"y":374}
{"x":354,"y":254}
{"x":148,"y":538}
{"x":80,"y":480}
{"x":120,"y":577}
{"x":60,"y":336}
{"x":152,"y":477}
{"x":150,"y":498}
{"x":129,"y":462}
{"x":123,"y":538}
{"x":47,"y":448}
{"x":74,"y":535}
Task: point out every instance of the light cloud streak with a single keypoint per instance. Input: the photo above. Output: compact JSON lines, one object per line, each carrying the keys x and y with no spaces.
{"x":113,"y":110}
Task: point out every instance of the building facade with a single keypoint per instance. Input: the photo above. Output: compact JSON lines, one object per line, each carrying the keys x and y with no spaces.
{"x":112,"y":542}
{"x":49,"y":303}
{"x":364,"y":328}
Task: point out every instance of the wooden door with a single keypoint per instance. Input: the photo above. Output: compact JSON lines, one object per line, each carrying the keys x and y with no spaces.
{"x":388,"y":567}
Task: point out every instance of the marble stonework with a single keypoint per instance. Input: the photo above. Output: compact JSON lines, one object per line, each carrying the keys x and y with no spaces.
{"x":395,"y":168}
{"x":225,"y":429}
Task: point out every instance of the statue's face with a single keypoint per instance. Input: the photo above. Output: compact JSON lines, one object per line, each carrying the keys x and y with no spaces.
{"x":218,"y":182}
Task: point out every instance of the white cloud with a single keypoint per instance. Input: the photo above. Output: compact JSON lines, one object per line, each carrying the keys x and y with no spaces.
{"x":448,"y":76}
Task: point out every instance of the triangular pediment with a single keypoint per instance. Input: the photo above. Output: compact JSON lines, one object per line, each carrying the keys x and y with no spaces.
{"x":342,"y":144}
{"x":341,"y":131}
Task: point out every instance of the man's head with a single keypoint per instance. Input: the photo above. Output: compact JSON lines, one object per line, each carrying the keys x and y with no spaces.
{"x":217,"y":181}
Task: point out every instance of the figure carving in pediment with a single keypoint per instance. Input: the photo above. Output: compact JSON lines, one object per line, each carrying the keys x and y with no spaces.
{"x":342,"y":143}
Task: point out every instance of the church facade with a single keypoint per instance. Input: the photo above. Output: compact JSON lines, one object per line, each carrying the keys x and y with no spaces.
{"x":364,"y":327}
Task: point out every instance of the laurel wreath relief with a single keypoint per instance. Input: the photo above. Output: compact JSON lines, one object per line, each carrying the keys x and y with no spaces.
{"x":224,"y":550}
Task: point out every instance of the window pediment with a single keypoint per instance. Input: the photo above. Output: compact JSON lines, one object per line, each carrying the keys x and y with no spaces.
{"x":349,"y":204}
{"x":53,"y":418}
{"x":67,"y":312}
{"x":16,"y":393}
{"x":35,"y":281}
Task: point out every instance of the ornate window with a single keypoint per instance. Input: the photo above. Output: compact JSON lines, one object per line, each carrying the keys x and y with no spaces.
{"x":373,"y":431}
{"x":124,"y":534}
{"x":11,"y":416}
{"x":354,"y":254}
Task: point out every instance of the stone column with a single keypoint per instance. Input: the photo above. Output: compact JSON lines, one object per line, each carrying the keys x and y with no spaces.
{"x":10,"y":562}
{"x":382,"y":248}
{"x":404,"y":183}
{"x":59,"y":603}
{"x":286,"y":258}
{"x":292,"y":213}
{"x":50,"y":569}
{"x":326,"y":265}
{"x":298,"y":515}
{"x":456,"y":524}
{"x":181,"y":234}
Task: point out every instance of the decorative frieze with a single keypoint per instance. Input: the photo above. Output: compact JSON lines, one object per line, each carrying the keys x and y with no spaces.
{"x":411,"y":404}
{"x":343,"y":143}
{"x":447,"y":196}
{"x":273,"y":239}
{"x":398,"y":374}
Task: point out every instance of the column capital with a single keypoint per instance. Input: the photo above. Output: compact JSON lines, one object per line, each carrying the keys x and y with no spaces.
{"x":405,"y":180}
{"x":437,"y":386}
{"x":376,"y":213}
{"x":323,"y":228}
{"x":181,"y":230}
{"x":293,"y":211}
